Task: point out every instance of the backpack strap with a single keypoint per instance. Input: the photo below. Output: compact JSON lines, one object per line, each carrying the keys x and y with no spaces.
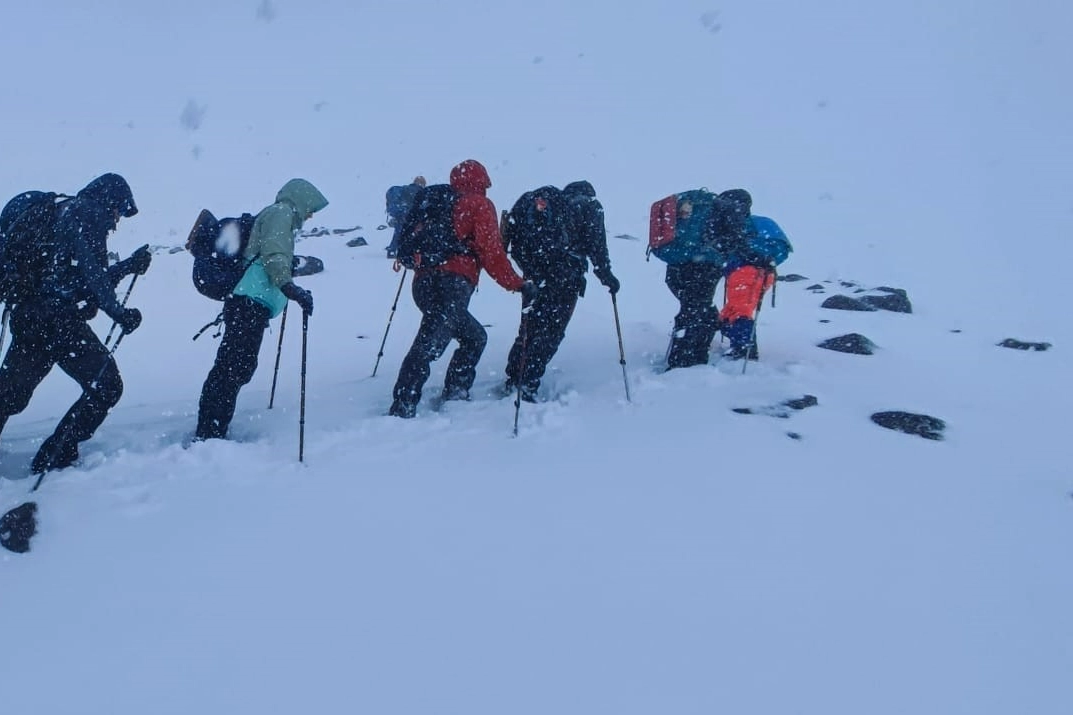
{"x":219,"y":319}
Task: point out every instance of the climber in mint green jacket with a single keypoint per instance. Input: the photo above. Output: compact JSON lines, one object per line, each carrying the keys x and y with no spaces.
{"x":271,"y":248}
{"x":260,"y":295}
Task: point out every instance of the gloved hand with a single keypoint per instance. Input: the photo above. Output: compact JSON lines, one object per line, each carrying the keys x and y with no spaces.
{"x":529,"y":291}
{"x":139,"y":261}
{"x":300,"y":296}
{"x":609,"y":280}
{"x":129,"y":319}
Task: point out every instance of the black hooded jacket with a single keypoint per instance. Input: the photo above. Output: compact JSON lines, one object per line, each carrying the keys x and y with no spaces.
{"x":80,"y":274}
{"x":590,"y":233}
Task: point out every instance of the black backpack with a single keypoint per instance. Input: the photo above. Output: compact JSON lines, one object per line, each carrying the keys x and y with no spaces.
{"x":27,"y":243}
{"x":218,"y":246}
{"x":398,"y":200}
{"x":428,"y":236}
{"x":537,"y":232}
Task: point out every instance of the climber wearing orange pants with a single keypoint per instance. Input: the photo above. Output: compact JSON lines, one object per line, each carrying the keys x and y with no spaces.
{"x":745,"y":288}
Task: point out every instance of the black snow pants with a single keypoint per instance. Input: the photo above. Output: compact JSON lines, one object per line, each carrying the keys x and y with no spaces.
{"x":245,"y":321}
{"x":542,"y":329}
{"x":443,"y":299}
{"x":693,"y":284}
{"x":50,"y":333}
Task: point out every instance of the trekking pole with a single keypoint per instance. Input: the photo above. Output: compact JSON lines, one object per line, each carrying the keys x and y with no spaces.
{"x":92,"y":386}
{"x":621,"y":350}
{"x":389,"y":319}
{"x":133,"y":280}
{"x":302,"y":399}
{"x":3,"y":325}
{"x":279,"y":349}
{"x":521,"y":369}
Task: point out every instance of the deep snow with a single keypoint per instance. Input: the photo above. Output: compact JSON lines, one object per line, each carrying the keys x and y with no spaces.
{"x":664,"y":555}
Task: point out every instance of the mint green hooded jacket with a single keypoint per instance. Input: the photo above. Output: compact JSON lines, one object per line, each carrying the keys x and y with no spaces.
{"x":271,"y":246}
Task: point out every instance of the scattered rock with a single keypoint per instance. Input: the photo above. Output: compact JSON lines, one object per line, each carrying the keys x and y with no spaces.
{"x":894,"y":302}
{"x":381,"y":227}
{"x":816,"y":288}
{"x":844,"y":302}
{"x":358,"y":241}
{"x":341,"y":231}
{"x":627,"y":237}
{"x":781,"y":410}
{"x":1021,"y":345}
{"x":924,"y":426}
{"x":956,"y":330}
{"x":800,"y":403}
{"x":307,"y":266}
{"x":314,"y":232}
{"x":792,"y":278}
{"x":852,"y":343}
{"x":176,"y":249}
{"x":794,"y":435}
{"x":847,"y":284}
{"x":824,"y":320}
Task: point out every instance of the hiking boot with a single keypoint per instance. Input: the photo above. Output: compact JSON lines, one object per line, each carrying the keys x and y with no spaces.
{"x":510,"y":389}
{"x":738,"y":352}
{"x":404,"y":410}
{"x":54,"y":454}
{"x":454,"y":393}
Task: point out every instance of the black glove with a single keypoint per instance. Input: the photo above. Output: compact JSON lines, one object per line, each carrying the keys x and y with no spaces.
{"x":139,"y":261}
{"x":529,"y":291}
{"x":300,"y":296}
{"x":129,"y":319}
{"x":609,"y":280}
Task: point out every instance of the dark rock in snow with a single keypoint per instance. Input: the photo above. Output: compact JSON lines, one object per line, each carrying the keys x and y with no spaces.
{"x":1020,"y":345}
{"x":307,"y":266}
{"x":781,"y":410}
{"x":852,"y":343}
{"x":792,"y":278}
{"x":894,"y":302}
{"x":824,"y":320}
{"x":924,"y":426}
{"x":794,"y":435}
{"x":816,"y":288}
{"x":844,"y":302}
{"x":800,"y":403}
{"x":358,"y":241}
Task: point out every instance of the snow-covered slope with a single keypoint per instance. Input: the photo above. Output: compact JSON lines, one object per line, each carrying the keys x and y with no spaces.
{"x":662,"y":555}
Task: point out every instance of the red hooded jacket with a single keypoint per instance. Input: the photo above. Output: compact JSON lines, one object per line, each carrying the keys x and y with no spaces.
{"x":476,"y":223}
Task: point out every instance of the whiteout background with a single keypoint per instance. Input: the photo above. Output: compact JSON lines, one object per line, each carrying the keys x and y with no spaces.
{"x":661,"y":556}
